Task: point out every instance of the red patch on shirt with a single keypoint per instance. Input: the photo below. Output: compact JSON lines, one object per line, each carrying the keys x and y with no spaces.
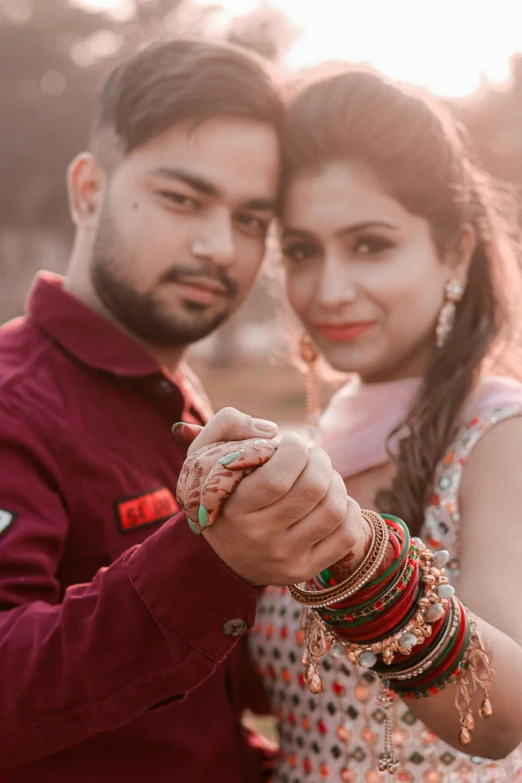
{"x":138,"y":510}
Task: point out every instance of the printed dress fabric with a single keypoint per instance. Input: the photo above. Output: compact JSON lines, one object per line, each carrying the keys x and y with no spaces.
{"x":338,"y":735}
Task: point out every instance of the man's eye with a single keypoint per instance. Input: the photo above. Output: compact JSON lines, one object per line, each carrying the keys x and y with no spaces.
{"x":253,"y":223}
{"x":179,"y":198}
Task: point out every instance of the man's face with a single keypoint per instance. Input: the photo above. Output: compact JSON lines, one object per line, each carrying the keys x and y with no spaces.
{"x":181,"y":230}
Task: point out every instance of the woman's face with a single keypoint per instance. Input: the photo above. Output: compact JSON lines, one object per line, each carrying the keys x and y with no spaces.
{"x":363,"y":274}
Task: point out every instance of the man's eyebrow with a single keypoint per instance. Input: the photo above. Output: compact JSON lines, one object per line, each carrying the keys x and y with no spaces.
{"x":193,"y":180}
{"x":204,"y":186}
{"x":261,"y":204}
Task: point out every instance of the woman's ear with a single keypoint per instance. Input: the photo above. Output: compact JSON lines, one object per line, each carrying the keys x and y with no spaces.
{"x":463,"y":253}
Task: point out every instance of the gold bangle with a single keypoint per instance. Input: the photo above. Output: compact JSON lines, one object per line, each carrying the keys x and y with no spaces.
{"x":362,"y":575}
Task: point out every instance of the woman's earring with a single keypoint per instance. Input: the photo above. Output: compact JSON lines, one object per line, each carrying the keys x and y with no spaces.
{"x":446,"y":320}
{"x":309,"y":355}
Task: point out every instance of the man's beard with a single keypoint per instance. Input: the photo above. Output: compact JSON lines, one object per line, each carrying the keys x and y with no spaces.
{"x":140,"y":313}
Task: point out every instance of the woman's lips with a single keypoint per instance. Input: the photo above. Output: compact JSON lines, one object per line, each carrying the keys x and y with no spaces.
{"x":343,"y":332}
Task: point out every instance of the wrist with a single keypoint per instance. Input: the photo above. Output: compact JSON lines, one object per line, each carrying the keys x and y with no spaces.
{"x":348,"y":564}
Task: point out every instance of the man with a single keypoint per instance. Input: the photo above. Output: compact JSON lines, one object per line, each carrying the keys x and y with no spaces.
{"x":118,"y":636}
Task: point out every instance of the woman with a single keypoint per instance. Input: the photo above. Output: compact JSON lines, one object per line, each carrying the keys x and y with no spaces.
{"x":400,"y":270}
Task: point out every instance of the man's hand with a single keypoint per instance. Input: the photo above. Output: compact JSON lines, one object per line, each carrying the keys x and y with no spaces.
{"x":290,"y":518}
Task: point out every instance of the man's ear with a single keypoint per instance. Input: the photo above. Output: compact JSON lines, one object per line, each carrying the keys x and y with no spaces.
{"x":85,"y":182}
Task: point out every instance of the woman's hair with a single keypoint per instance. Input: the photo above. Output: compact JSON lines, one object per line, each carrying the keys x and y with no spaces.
{"x":420,"y":157}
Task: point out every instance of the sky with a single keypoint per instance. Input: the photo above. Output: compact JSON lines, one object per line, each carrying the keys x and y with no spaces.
{"x":448,"y":46}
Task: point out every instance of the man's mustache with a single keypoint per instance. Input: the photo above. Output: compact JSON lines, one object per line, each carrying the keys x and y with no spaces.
{"x":179,"y":274}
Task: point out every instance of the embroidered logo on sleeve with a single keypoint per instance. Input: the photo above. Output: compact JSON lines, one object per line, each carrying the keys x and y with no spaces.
{"x":147,"y":509}
{"x":6,"y":519}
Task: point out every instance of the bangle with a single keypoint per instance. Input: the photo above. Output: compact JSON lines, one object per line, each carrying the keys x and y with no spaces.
{"x":417,"y":638}
{"x":360,"y":577}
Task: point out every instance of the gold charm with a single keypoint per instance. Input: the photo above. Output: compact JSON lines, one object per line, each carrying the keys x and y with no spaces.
{"x":388,"y":761}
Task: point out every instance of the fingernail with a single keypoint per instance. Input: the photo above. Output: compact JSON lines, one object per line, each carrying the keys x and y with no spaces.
{"x":192,"y":525}
{"x":185,"y":433}
{"x":263,"y":425}
{"x":260,"y":441}
{"x":229,"y":458}
{"x":202,"y":516}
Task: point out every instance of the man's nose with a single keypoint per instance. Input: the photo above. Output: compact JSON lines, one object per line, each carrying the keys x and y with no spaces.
{"x":215,"y":241}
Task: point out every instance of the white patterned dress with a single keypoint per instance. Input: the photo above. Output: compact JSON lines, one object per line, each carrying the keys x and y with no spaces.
{"x":337,"y":735}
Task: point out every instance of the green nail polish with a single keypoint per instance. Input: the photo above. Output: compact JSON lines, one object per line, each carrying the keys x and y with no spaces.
{"x":192,"y":525}
{"x":259,"y":441}
{"x":202,"y":516}
{"x":229,"y":458}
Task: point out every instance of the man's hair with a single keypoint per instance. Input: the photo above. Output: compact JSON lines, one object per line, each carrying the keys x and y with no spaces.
{"x":182,"y":80}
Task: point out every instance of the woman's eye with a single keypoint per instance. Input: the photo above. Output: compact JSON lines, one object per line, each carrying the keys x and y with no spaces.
{"x":299,"y":252}
{"x":372,"y":245}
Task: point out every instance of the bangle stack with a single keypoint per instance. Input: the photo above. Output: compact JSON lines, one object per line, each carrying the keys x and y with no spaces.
{"x":405,"y":624}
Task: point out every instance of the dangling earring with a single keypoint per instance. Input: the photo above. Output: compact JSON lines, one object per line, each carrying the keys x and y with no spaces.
{"x":453,"y":294}
{"x":309,"y":355}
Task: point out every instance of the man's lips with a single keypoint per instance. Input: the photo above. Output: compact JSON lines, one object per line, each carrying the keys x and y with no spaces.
{"x":343,"y":332}
{"x":200,"y":290}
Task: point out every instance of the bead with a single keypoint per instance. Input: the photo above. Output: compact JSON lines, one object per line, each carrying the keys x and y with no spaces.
{"x":347,"y":775}
{"x":367,"y":659}
{"x":382,"y":764}
{"x":486,"y":710}
{"x":464,"y":737}
{"x":392,"y":767}
{"x":434,"y":613}
{"x":337,"y":650}
{"x":440,"y":558}
{"x":408,"y":640}
{"x":445,"y":591}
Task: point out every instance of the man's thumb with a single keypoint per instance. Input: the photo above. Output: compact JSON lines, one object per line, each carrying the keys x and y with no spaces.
{"x":228,"y":424}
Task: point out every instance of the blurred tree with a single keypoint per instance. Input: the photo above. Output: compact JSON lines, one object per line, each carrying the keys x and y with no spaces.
{"x":45,"y":97}
{"x":266,"y":31}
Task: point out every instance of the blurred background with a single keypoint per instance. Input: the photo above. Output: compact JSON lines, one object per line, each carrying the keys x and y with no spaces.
{"x":55,"y":53}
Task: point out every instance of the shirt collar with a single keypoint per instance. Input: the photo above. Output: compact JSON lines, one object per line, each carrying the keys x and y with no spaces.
{"x":85,"y":334}
{"x":100,"y":344}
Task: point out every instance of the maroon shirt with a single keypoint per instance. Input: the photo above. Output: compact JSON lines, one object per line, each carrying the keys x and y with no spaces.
{"x":119,"y":627}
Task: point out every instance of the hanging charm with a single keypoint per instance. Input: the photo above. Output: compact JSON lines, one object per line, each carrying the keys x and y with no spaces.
{"x":453,"y":294}
{"x":315,"y":648}
{"x":477,"y":673}
{"x":388,"y":761}
{"x":309,"y":355}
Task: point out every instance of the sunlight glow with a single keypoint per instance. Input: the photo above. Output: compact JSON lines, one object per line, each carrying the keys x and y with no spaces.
{"x":448,"y":47}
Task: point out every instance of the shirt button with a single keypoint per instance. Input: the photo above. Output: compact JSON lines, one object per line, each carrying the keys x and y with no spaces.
{"x":164,"y":387}
{"x":235,"y":627}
